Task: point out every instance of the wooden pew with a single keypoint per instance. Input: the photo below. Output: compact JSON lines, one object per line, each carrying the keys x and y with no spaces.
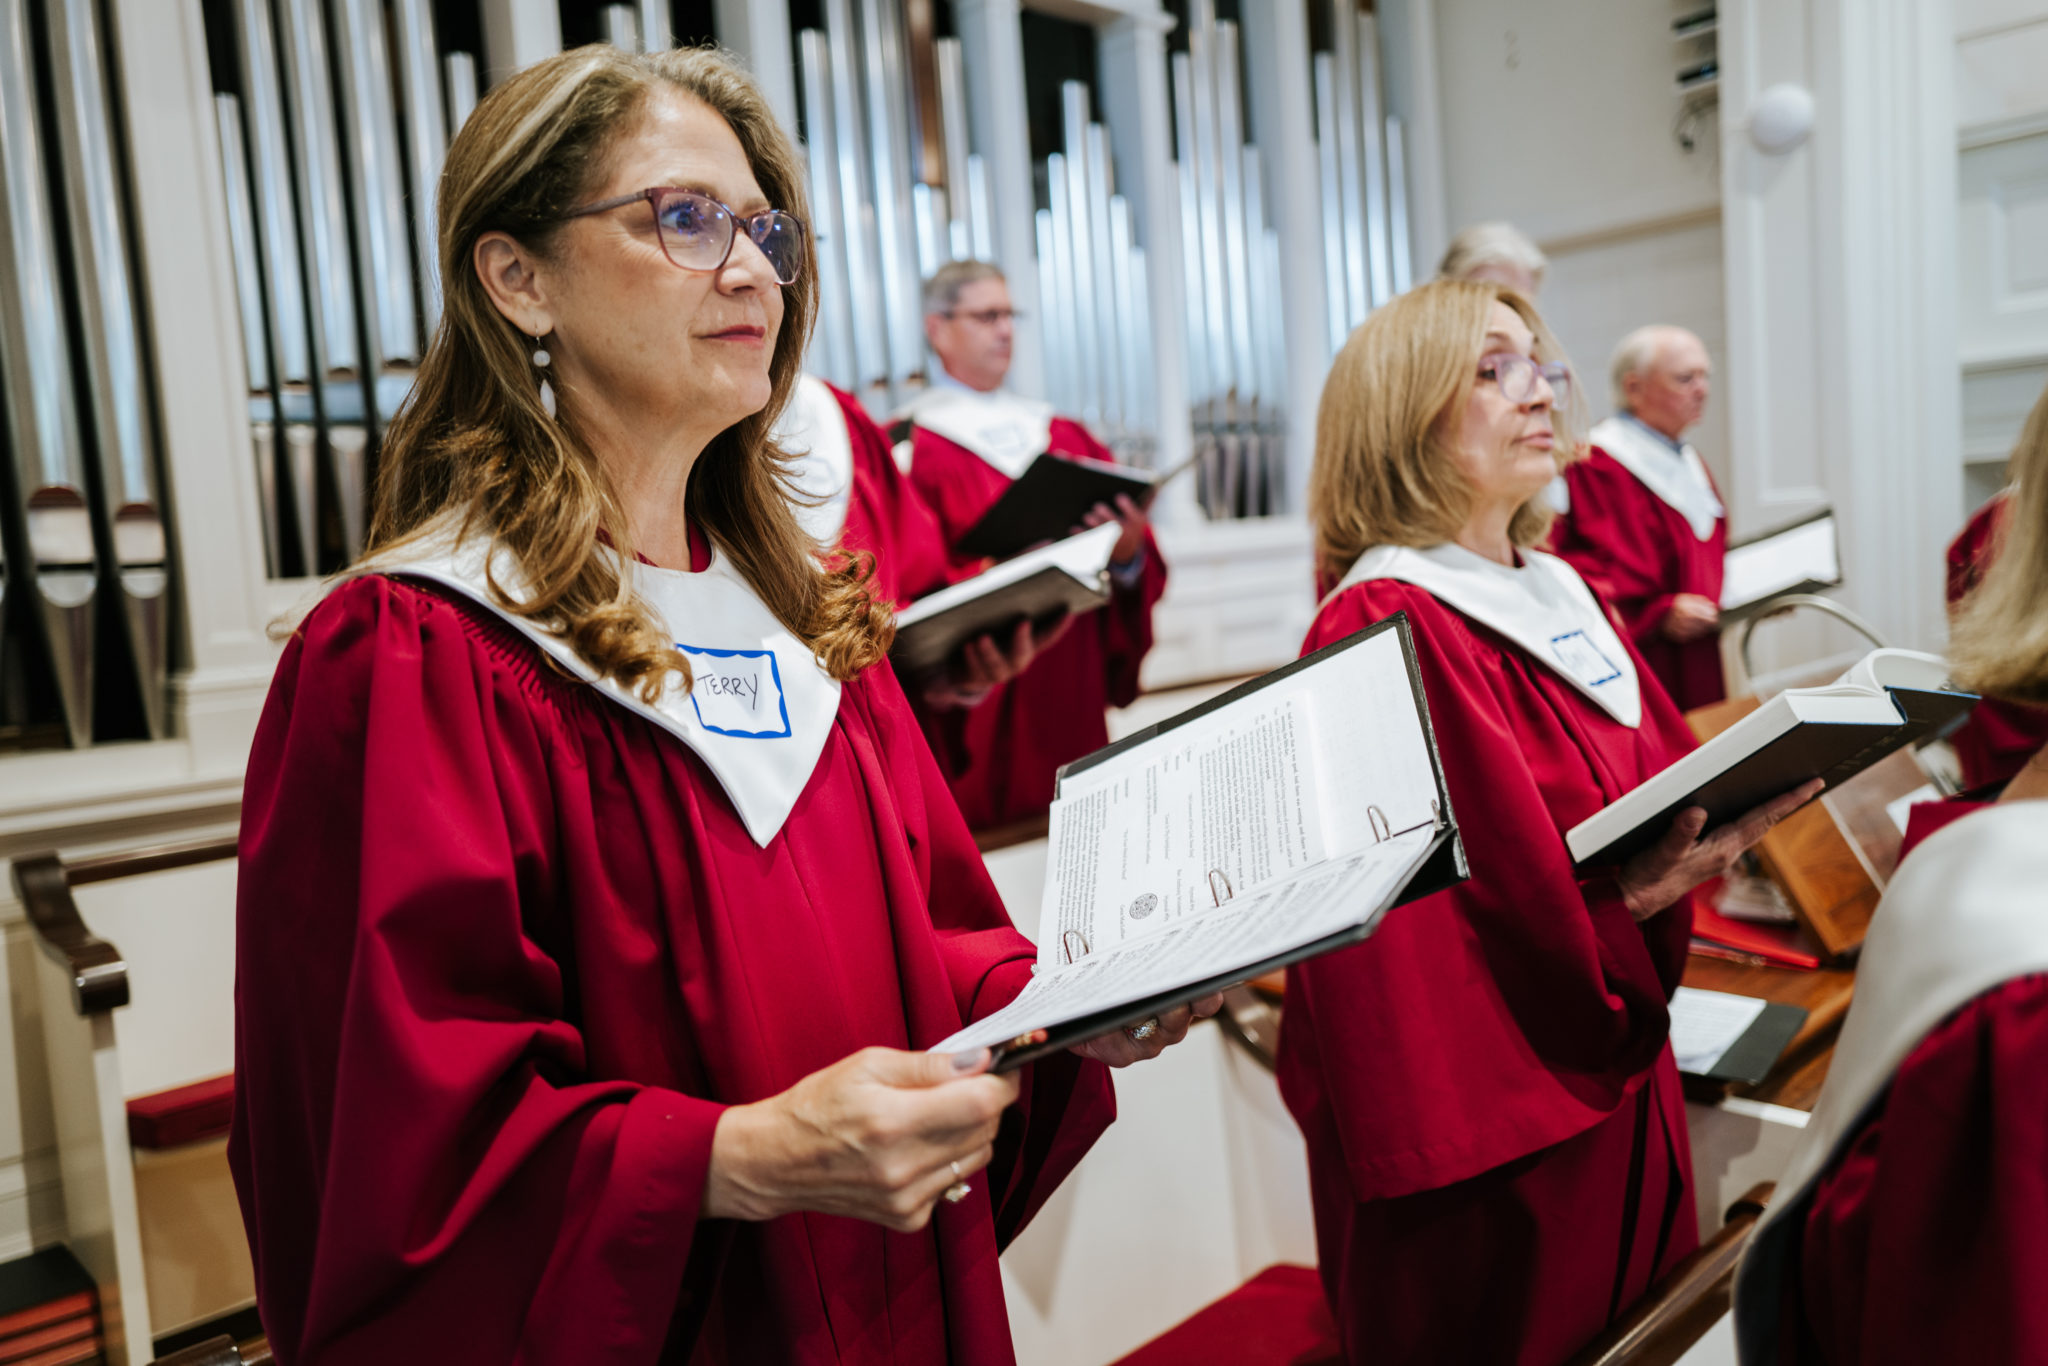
{"x":81,"y":980}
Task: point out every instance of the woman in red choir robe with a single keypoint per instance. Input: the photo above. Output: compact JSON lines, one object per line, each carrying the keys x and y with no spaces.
{"x":853,"y":497}
{"x":1001,"y":757}
{"x":1912,"y":1222}
{"x":598,"y":899}
{"x":1497,"y":1141}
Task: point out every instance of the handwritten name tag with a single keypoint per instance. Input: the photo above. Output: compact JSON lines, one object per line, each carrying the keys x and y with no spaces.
{"x":738,"y":693}
{"x":1582,"y":660}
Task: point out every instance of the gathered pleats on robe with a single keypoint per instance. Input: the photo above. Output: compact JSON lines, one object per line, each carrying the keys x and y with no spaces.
{"x":1639,"y":553}
{"x":1002,"y":755}
{"x":506,"y":951}
{"x":1999,"y":736}
{"x":887,"y":517}
{"x":1927,"y":1240}
{"x":1497,"y":1139}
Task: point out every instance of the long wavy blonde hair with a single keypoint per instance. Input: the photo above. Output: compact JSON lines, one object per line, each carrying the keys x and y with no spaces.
{"x":1998,"y":643}
{"x":1384,"y":473}
{"x":473,"y":441}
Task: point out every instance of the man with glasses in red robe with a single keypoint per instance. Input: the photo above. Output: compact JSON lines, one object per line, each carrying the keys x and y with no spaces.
{"x":970,"y":438}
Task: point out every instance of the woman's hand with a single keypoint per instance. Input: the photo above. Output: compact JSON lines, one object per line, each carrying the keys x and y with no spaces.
{"x":878,"y":1136}
{"x":1120,"y":1049}
{"x":1682,"y":860}
{"x":983,"y":663}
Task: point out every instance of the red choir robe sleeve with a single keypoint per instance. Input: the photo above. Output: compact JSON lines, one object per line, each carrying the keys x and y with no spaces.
{"x":1639,"y":554}
{"x":1999,"y":736}
{"x":1065,"y":1102}
{"x":1511,"y":1012}
{"x":1927,"y":1240}
{"x":887,"y":517}
{"x":408,"y":1087}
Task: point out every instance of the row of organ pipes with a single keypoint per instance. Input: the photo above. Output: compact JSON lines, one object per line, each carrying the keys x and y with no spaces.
{"x":333,"y":118}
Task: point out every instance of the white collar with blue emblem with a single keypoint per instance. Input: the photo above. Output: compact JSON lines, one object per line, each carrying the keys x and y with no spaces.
{"x":1544,"y":607}
{"x":761,"y":707}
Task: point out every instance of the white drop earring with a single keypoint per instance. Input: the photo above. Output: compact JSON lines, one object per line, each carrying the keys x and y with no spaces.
{"x":541,"y":360}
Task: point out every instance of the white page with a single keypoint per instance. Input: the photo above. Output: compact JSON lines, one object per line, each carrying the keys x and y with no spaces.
{"x":1084,"y":556}
{"x":1373,"y":771}
{"x":1706,"y":1024}
{"x":1223,"y":941}
{"x":1208,"y":811}
{"x":1753,"y":572}
{"x":1901,"y":809}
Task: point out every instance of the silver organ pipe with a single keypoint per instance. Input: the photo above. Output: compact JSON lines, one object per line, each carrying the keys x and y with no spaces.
{"x":1105,"y":267}
{"x":459,"y":72}
{"x":834,"y":353}
{"x":385,"y":265}
{"x":1363,"y":171}
{"x":888,"y":100}
{"x":1059,"y":349}
{"x":960,"y":229}
{"x":655,"y":33}
{"x":622,"y":27}
{"x":858,"y":225}
{"x":426,"y":143}
{"x":1236,"y":334}
{"x":241,"y":214}
{"x":51,"y":554}
{"x":983,"y":218}
{"x":129,"y":509}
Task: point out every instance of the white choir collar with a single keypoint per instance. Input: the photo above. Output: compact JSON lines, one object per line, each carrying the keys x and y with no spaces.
{"x":761,"y":708}
{"x":1678,"y":477}
{"x":1006,"y":431}
{"x":1544,"y":607}
{"x":812,"y":432}
{"x":1961,"y":916}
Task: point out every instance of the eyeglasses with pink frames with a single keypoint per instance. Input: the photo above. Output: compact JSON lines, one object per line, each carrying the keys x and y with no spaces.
{"x":1517,"y":375}
{"x":697,"y":232}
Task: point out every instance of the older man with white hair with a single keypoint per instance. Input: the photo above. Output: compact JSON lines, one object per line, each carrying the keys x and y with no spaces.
{"x":1643,"y":522}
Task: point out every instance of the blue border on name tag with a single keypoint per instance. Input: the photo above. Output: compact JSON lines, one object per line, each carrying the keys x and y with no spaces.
{"x":1598,"y":653}
{"x":774,"y":673}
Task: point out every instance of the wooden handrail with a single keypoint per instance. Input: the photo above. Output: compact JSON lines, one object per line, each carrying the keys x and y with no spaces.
{"x":220,"y":1351}
{"x":1677,"y":1311}
{"x":1011,"y":835}
{"x":99,"y":975}
{"x":1251,"y":1017}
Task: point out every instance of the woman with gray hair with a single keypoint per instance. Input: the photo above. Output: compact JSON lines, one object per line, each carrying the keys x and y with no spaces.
{"x":1496,"y":253}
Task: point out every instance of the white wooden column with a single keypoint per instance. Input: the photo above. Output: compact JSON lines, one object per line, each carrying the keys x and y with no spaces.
{"x":1131,"y":60}
{"x":1282,"y":85}
{"x":992,"y":50}
{"x":1841,"y":371}
{"x":223,"y":659}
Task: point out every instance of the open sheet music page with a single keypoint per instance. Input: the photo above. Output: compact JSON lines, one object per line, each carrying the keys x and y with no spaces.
{"x":1320,"y":763}
{"x":1799,"y":555}
{"x":1313,"y":904}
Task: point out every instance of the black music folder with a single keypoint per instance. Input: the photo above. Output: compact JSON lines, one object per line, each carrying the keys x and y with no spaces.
{"x":1891,"y":699}
{"x":1277,"y":822}
{"x":1048,"y":501}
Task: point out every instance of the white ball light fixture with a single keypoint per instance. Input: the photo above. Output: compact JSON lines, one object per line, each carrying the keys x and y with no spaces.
{"x":1781,"y":118}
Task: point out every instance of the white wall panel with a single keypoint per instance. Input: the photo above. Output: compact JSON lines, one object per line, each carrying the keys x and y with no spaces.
{"x":1999,"y":72}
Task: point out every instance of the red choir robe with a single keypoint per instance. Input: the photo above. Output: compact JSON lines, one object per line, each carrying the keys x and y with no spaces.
{"x":887,"y":517}
{"x":1001,"y":755}
{"x":1639,"y":552}
{"x":1911,"y":1226}
{"x":2000,"y":736}
{"x":506,"y":951}
{"x":1497,"y":1138}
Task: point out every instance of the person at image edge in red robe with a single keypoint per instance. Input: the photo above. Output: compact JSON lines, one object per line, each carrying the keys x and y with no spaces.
{"x":584,"y":1009}
{"x":1497,"y":1139}
{"x":970,"y":440}
{"x":1642,"y":521}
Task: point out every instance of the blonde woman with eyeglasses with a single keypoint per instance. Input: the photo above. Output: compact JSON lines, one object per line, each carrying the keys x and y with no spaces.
{"x":599,"y":897}
{"x":1496,"y":1134}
